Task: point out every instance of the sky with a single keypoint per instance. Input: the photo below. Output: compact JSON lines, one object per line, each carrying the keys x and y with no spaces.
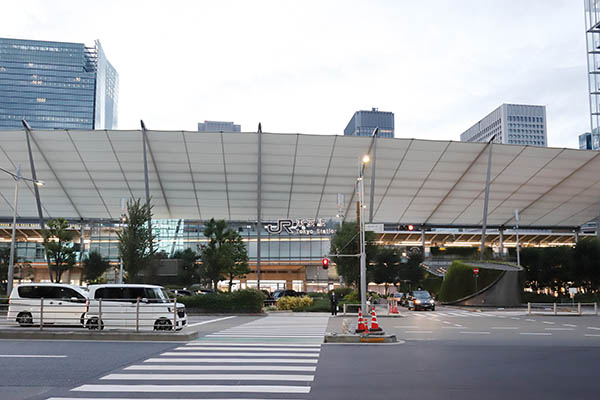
{"x":307,"y":66}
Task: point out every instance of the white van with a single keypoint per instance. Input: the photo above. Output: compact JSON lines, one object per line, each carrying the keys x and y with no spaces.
{"x":131,"y":306}
{"x":63,"y":304}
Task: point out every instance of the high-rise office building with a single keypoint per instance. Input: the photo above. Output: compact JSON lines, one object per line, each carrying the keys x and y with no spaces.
{"x":56,"y":85}
{"x":589,"y":141}
{"x":218,"y":126}
{"x":592,"y":35}
{"x":364,"y":122}
{"x":512,"y":124}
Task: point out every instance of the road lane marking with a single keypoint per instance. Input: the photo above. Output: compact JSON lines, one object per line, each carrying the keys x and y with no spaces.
{"x":476,"y":333}
{"x":233,"y":360}
{"x":158,"y":367}
{"x":591,"y":335}
{"x":458,"y":326}
{"x":501,"y":316}
{"x":209,"y":377}
{"x":250,"y":354}
{"x":452,"y":327}
{"x":504,"y":327}
{"x":515,"y":318}
{"x":530,"y":320}
{"x":594,"y":328}
{"x":210,"y":321}
{"x":536,"y":333}
{"x":193,"y":388}
{"x":30,"y":356}
{"x":238,"y":344}
{"x":548,"y":322}
{"x":558,"y":329}
{"x":446,"y":322}
{"x":291,"y":350}
{"x":571,"y":325}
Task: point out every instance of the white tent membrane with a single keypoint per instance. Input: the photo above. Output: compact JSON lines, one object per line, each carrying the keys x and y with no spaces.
{"x":196,"y":175}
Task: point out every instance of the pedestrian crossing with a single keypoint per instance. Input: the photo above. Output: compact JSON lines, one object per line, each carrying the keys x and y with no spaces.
{"x":279,"y":362}
{"x":464,"y":314}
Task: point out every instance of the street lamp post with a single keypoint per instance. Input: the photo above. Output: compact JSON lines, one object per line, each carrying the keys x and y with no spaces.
{"x":361,"y":223}
{"x":11,"y":263}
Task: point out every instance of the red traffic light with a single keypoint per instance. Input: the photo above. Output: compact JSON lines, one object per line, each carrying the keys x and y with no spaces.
{"x":411,"y":227}
{"x":325,"y":263}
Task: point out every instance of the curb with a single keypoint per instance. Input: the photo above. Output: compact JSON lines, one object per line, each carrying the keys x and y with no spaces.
{"x":97,"y":336}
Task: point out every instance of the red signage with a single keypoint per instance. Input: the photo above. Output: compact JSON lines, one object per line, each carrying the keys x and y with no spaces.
{"x":475,"y":271}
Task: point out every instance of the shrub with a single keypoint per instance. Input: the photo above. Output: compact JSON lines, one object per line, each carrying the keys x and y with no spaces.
{"x":293,"y":303}
{"x":352,"y":297}
{"x":240,"y":301}
{"x":317,"y":295}
{"x":341,"y":292}
{"x":318,"y":305}
{"x":460,"y":282}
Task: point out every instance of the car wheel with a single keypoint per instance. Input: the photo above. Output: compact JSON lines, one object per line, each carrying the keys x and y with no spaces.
{"x":163,"y":324}
{"x":25,"y":319}
{"x":92,"y":324}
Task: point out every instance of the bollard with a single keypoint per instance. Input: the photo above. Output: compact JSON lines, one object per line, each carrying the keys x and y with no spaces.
{"x":528,"y":308}
{"x":41,"y":313}
{"x":137,"y":315}
{"x":99,"y":313}
{"x":579,"y":308}
{"x":175,"y":313}
{"x":596,"y":308}
{"x":554,"y":308}
{"x":345,"y":308}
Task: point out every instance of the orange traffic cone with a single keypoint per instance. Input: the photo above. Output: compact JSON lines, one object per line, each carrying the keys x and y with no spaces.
{"x":395,"y":308}
{"x":361,"y":327}
{"x":374,"y":325}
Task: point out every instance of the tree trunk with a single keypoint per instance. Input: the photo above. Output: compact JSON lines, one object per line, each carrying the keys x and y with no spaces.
{"x":230,"y":283}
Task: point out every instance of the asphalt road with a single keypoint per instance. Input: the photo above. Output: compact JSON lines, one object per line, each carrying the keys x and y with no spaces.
{"x":446,"y":354}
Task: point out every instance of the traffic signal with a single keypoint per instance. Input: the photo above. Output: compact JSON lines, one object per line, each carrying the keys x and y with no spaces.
{"x":407,"y":227}
{"x":325,"y":263}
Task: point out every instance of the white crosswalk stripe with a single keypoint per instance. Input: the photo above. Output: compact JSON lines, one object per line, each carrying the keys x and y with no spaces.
{"x":465,"y":314}
{"x":281,"y":365}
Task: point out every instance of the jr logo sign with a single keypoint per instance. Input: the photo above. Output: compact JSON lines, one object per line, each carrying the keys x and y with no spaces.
{"x":300,"y":227}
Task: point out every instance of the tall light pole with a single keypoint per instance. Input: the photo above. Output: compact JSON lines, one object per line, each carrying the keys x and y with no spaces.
{"x":11,"y":264}
{"x":364,"y":160}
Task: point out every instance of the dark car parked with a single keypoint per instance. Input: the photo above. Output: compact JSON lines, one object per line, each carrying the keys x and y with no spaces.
{"x":421,"y":300}
{"x":283,"y":293}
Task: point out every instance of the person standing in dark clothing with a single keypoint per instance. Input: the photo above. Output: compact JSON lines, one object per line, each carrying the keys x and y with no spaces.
{"x":333,"y":300}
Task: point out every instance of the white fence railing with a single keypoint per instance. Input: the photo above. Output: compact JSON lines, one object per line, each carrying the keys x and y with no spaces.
{"x":562,"y":308}
{"x":94,"y":314}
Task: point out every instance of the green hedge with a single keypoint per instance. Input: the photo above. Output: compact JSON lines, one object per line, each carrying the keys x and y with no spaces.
{"x":240,"y":301}
{"x":460,"y":282}
{"x":318,"y":305}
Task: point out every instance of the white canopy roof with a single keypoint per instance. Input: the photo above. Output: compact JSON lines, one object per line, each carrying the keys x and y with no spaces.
{"x":196,"y":175}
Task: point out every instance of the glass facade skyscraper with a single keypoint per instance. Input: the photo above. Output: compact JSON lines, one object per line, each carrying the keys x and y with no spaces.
{"x":364,"y":122}
{"x":56,"y":85}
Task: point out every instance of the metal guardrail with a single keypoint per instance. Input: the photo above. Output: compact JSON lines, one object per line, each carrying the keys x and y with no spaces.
{"x":563,"y":308}
{"x":93,"y":314}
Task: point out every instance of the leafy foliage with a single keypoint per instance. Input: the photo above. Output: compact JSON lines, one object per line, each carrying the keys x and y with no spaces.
{"x":58,"y":242}
{"x":293,"y":303}
{"x":136,"y":240}
{"x":346,"y":241}
{"x":94,"y":266}
{"x":459,"y":281}
{"x":240,"y":301}
{"x":189,"y":272}
{"x":225,"y":255}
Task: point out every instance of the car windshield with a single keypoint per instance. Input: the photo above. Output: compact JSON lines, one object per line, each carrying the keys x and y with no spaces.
{"x":422,"y":295}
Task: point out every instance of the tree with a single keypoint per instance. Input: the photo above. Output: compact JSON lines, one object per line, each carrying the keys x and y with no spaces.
{"x":411,"y":271}
{"x":346,"y":241}
{"x":4,"y":261}
{"x":188,"y":274}
{"x":135,"y":240}
{"x":387,"y":267}
{"x":94,"y":265}
{"x":58,"y":242}
{"x":586,"y":259}
{"x":225,"y":255}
